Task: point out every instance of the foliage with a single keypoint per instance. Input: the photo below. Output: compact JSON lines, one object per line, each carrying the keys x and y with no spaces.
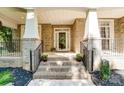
{"x":44,"y":57}
{"x":62,"y":41}
{"x":6,"y":33}
{"x":104,"y":70}
{"x":6,"y":36}
{"x":6,"y":77}
{"x":79,"y":57}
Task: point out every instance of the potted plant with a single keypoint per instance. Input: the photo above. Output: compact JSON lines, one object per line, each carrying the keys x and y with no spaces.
{"x":78,"y":57}
{"x":53,"y":49}
{"x":44,"y":57}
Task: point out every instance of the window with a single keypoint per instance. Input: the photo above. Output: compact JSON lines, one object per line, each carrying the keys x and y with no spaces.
{"x":107,"y":33}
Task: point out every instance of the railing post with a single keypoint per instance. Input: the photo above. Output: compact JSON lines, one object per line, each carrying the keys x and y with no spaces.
{"x":42,"y":43}
{"x":92,"y":60}
{"x":1,"y":49}
{"x":31,"y":60}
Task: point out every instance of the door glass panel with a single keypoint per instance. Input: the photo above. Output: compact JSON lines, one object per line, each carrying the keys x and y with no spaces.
{"x":62,"y":40}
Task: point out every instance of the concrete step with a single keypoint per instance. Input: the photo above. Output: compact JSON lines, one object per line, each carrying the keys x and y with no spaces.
{"x":58,"y":73}
{"x":60,"y":63}
{"x":58,"y":59}
{"x":54,"y":69}
{"x":52,"y":75}
{"x":58,"y":68}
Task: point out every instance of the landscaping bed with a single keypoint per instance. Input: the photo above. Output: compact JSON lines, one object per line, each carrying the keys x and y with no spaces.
{"x":19,"y":76}
{"x":115,"y":79}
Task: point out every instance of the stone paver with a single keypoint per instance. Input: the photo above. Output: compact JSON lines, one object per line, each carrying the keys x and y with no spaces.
{"x":44,"y":82}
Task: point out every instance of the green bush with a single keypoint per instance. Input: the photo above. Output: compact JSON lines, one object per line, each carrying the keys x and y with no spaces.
{"x":78,"y":57}
{"x":44,"y":57}
{"x":104,"y":70}
{"x":6,"y":77}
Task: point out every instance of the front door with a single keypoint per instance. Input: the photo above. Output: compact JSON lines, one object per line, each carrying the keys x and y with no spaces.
{"x":62,"y":39}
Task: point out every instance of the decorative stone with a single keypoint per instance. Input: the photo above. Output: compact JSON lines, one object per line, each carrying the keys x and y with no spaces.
{"x":115,"y":79}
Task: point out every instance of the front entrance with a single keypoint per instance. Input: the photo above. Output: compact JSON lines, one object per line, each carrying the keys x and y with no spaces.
{"x":62,"y":39}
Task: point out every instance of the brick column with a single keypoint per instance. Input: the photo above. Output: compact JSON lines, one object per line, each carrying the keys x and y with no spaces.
{"x":30,"y":38}
{"x":92,"y":37}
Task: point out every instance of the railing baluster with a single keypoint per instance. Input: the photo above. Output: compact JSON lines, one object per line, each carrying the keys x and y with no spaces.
{"x":37,"y":56}
{"x":10,"y":48}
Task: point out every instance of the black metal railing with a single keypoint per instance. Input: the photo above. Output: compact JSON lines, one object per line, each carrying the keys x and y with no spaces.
{"x":109,"y":47}
{"x":10,"y":48}
{"x":35,"y":58}
{"x":87,"y":56}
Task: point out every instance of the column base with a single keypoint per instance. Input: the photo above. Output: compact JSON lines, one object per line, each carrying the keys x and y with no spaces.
{"x":29,"y":44}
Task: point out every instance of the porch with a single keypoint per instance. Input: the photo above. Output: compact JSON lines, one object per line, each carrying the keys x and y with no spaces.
{"x":41,"y":24}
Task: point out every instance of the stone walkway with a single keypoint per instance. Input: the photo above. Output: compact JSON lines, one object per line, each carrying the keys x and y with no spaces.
{"x":43,"y":82}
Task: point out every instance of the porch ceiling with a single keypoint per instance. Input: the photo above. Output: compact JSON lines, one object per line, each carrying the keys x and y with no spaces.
{"x":61,"y":15}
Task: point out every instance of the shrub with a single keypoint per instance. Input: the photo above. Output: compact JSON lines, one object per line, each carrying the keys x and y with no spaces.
{"x":104,"y":70}
{"x":79,"y":57}
{"x":6,"y":77}
{"x":44,"y":57}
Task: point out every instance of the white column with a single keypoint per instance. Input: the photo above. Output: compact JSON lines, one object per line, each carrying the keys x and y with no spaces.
{"x":31,"y":26}
{"x":92,"y":36}
{"x":30,"y":38}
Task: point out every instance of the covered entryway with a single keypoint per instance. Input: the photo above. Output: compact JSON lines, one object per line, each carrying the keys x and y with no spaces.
{"x":63,"y":29}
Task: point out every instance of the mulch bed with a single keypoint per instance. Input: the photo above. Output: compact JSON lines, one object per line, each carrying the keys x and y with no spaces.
{"x":22,"y":77}
{"x":115,"y":79}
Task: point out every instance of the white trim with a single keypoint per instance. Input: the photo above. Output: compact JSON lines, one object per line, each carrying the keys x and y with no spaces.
{"x":22,"y":30}
{"x":67,"y":39}
{"x":40,"y":31}
{"x":111,"y":21}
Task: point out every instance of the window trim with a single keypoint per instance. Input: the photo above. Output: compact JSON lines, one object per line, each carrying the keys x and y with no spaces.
{"x":111,"y":21}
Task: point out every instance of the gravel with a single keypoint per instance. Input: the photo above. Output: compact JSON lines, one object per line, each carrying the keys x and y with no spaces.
{"x":115,"y":79}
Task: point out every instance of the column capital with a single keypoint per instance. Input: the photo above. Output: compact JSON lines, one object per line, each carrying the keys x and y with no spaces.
{"x":30,"y":9}
{"x":91,"y":10}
